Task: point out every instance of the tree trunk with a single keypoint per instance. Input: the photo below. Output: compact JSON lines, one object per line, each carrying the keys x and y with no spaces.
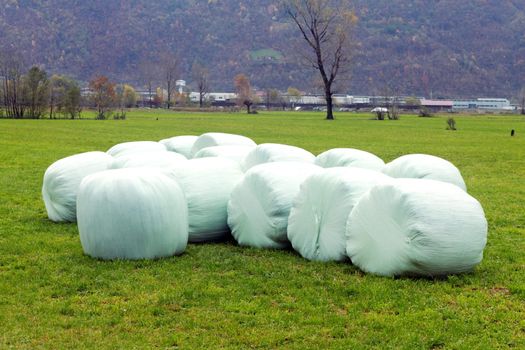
{"x":200,"y":99}
{"x":329,"y":105}
{"x":169,"y":95}
{"x":150,"y":92}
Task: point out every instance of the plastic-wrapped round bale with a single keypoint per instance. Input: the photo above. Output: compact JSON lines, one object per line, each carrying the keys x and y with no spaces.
{"x":424,"y":166}
{"x":147,"y":159}
{"x":274,"y":152}
{"x":317,"y":222}
{"x":132,"y":214}
{"x":180,"y":144}
{"x":207,"y":184}
{"x":62,"y":179}
{"x":416,"y":227}
{"x":260,"y":204}
{"x":236,"y":153}
{"x":135,"y":147}
{"x":220,"y":139}
{"x":349,"y":157}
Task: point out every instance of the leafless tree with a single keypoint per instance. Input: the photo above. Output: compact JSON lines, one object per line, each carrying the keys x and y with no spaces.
{"x":201,"y":80}
{"x":522,"y":100}
{"x":11,"y":75}
{"x":326,"y":27}
{"x":170,"y":71}
{"x":150,"y":75}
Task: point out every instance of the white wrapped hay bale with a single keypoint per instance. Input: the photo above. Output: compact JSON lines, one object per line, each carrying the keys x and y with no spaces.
{"x":132,"y":214}
{"x":317,"y":222}
{"x":236,"y":153}
{"x":180,"y":144}
{"x":135,"y":147}
{"x":147,"y":159}
{"x":273,"y":152}
{"x":220,"y":139}
{"x":62,"y":179}
{"x":424,"y":166}
{"x":416,"y":227}
{"x":349,"y":157}
{"x":260,"y":204}
{"x":207,"y":184}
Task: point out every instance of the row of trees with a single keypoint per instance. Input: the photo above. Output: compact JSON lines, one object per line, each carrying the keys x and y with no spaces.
{"x":32,"y":94}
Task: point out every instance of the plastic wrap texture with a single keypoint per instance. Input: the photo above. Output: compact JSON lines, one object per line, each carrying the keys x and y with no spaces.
{"x":236,"y":153}
{"x":317,"y":222}
{"x":260,"y":204}
{"x":416,"y":227}
{"x":423,"y":166}
{"x":135,"y":147}
{"x":136,"y":213}
{"x":349,"y":157}
{"x":180,"y":144}
{"x":161,"y":159}
{"x":273,"y":152}
{"x":220,"y":139}
{"x":62,"y":180}
{"x":207,"y":184}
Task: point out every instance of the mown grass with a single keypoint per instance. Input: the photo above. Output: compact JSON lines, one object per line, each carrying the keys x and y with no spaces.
{"x":224,"y":296}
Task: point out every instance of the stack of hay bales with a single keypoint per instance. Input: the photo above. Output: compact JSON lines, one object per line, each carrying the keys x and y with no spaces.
{"x":411,"y":216}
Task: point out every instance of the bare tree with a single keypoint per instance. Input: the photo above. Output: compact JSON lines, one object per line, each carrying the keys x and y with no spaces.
{"x":201,"y":80}
{"x":150,"y":74}
{"x":170,"y":70}
{"x":326,"y":27}
{"x":272,"y":98}
{"x":11,"y":67}
{"x":522,"y":100}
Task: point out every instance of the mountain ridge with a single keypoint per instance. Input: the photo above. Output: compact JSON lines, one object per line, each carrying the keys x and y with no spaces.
{"x":440,"y":48}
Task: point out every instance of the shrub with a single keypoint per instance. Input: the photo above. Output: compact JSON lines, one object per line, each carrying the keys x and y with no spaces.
{"x":451,"y":124}
{"x":425,"y":113}
{"x":394,"y":115}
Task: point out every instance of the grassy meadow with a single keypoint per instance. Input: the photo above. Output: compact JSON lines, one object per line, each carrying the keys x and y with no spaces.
{"x":223,"y":296}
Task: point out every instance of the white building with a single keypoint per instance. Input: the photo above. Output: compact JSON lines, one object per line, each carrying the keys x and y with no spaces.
{"x":483,"y":104}
{"x":214,"y":96}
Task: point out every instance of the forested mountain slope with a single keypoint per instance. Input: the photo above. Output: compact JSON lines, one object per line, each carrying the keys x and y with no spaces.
{"x":442,"y":47}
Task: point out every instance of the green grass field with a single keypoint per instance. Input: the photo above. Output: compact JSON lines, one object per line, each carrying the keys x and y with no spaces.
{"x":224,"y":296}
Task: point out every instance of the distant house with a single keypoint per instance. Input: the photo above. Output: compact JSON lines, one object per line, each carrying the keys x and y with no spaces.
{"x":437,"y":105}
